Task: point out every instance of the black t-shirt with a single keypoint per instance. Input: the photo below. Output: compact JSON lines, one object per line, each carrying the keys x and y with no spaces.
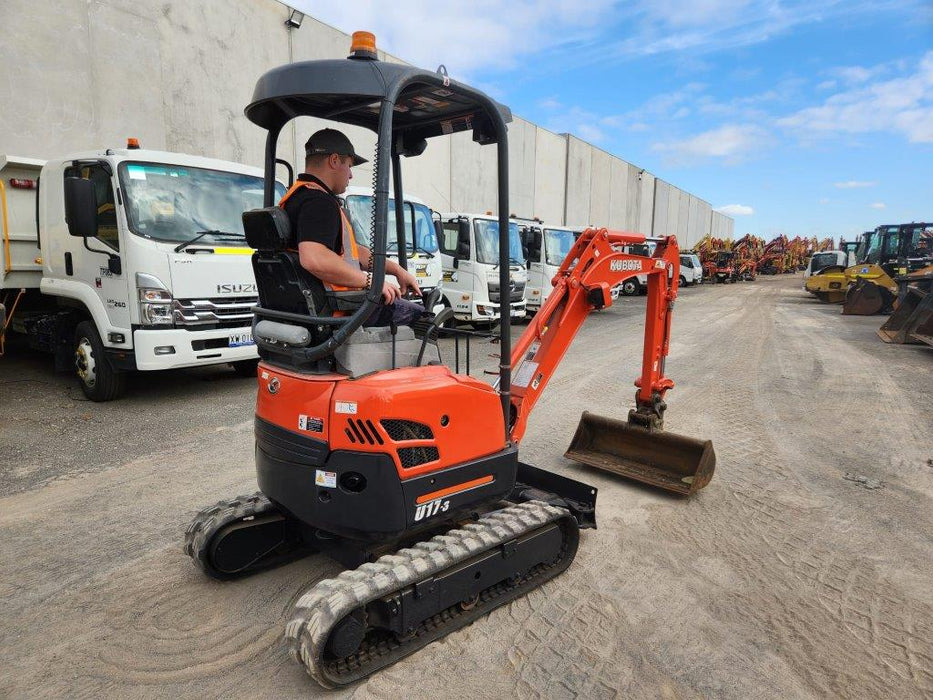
{"x":315,"y":215}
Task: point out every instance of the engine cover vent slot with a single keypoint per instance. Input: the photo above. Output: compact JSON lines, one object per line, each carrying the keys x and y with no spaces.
{"x":401,"y":430}
{"x":415,"y":456}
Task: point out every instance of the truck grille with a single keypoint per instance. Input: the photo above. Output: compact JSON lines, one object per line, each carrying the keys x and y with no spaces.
{"x":517,"y":292}
{"x":214,"y":313}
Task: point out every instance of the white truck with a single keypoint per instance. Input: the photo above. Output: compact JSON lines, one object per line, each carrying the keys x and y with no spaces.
{"x":422,"y":254}
{"x":469,"y":245}
{"x":545,"y":247}
{"x":127,"y":259}
{"x":691,"y":270}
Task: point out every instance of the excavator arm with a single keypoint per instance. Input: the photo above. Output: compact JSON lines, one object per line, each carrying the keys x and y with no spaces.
{"x":596,"y":263}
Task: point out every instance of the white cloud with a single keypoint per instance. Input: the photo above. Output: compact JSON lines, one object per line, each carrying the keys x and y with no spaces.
{"x":732,"y":142}
{"x":824,"y":200}
{"x":900,"y":105}
{"x":826,"y":85}
{"x":466,"y":37}
{"x":878,"y":205}
{"x":736,"y":210}
{"x":853,"y":184}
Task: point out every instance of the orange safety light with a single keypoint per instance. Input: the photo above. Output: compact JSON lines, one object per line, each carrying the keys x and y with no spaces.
{"x":363,"y":45}
{"x":132,"y":143}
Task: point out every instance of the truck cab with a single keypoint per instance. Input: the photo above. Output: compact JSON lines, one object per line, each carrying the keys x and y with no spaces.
{"x":469,"y":245}
{"x":423,"y":257}
{"x":140,"y":264}
{"x":691,"y":271}
{"x":545,"y":248}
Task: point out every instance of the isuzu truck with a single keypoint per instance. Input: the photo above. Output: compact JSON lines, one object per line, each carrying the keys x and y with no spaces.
{"x":128,"y":259}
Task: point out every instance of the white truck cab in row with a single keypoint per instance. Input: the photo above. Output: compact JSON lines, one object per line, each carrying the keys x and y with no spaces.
{"x":545,"y":249}
{"x":129,"y":259}
{"x":423,"y":259}
{"x":691,"y":270}
{"x":469,"y":245}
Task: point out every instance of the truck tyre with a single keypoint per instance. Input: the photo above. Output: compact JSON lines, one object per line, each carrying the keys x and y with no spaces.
{"x":98,"y":379}
{"x":245,"y":368}
{"x":683,"y":281}
{"x":631,"y":287}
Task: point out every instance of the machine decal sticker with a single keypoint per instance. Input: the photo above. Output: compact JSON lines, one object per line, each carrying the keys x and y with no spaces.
{"x":524,"y":374}
{"x":430,"y":509}
{"x":312,"y":425}
{"x":345,"y":407}
{"x":326,"y":479}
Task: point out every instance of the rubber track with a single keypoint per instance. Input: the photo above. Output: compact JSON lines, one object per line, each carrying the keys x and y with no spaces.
{"x":316,"y":612}
{"x":211,"y":519}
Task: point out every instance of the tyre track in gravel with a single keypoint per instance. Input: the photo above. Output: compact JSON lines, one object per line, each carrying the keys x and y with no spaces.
{"x":806,"y":590}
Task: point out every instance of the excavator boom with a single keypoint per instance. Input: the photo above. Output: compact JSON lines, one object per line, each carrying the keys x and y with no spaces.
{"x":637,"y":448}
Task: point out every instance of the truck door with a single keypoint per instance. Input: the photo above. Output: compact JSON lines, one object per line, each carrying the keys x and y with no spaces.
{"x":90,"y":267}
{"x":534,"y":247}
{"x":457,"y":269}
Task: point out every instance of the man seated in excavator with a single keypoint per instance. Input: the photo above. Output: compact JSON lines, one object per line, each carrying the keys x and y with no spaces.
{"x":406,"y":472}
{"x":323,"y":232}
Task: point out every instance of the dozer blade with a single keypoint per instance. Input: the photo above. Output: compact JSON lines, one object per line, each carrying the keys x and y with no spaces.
{"x":899,"y":325}
{"x":865,"y":298}
{"x":669,"y":461}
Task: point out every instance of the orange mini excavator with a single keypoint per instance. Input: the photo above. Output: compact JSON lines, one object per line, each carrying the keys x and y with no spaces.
{"x":371,"y":451}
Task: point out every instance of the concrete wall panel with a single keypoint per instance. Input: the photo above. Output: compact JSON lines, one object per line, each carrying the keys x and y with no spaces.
{"x":579,"y":180}
{"x":600,"y":187}
{"x":473,"y":175}
{"x":522,"y":142}
{"x":683,"y":216}
{"x":660,"y":225}
{"x":618,"y":197}
{"x":550,"y":176}
{"x":646,"y":187}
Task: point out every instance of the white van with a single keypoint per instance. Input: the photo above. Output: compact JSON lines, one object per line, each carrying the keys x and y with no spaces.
{"x":691,"y":270}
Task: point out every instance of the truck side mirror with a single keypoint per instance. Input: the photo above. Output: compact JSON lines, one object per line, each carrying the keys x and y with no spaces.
{"x":438,"y":229}
{"x":114,"y":265}
{"x":81,"y":207}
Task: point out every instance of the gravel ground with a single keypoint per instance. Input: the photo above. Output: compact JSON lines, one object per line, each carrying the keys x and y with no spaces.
{"x":802,"y":570}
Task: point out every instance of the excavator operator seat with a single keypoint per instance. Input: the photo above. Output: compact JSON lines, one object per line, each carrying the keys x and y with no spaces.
{"x":283,"y":285}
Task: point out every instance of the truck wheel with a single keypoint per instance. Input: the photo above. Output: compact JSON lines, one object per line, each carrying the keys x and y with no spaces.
{"x":683,"y":281}
{"x":245,"y":368}
{"x":99,"y":380}
{"x":630,"y":287}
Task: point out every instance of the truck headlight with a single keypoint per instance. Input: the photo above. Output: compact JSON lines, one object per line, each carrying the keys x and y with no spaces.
{"x":155,"y":307}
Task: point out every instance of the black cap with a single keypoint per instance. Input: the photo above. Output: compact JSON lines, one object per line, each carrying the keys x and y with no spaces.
{"x":327,"y":141}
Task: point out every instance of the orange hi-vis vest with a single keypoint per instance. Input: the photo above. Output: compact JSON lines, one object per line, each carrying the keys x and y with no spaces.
{"x":349,"y":249}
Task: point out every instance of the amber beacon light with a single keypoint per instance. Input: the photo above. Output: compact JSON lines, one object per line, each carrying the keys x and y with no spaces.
{"x":363,"y":45}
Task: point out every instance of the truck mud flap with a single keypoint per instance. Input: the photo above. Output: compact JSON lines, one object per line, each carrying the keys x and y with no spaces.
{"x":669,"y":461}
{"x":901,"y":323}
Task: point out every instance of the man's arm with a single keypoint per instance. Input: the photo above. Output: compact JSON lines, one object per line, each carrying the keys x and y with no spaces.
{"x":405,"y":278}
{"x":329,"y":267}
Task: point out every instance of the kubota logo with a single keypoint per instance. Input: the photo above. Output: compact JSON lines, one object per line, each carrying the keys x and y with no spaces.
{"x":623,"y":265}
{"x":430,"y":509}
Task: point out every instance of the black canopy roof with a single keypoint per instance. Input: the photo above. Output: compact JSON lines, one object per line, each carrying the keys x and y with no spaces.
{"x":350,"y":91}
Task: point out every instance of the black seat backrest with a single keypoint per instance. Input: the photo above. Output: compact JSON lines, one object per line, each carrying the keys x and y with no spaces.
{"x":282,"y":283}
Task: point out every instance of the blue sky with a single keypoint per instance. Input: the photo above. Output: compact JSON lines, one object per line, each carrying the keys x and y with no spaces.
{"x":809,"y":118}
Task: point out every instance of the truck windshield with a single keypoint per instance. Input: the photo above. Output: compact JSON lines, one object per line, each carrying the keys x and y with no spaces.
{"x":418,"y":224}
{"x":487,"y":242}
{"x":557,"y":243}
{"x":174,"y":203}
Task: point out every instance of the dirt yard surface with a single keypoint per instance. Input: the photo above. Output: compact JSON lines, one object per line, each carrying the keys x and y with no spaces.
{"x":802,"y":570}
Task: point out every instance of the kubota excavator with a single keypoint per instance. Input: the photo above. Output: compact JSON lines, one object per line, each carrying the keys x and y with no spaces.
{"x":371,"y":451}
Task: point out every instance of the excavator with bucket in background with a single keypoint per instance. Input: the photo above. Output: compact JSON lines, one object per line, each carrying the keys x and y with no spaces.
{"x":371,"y":451}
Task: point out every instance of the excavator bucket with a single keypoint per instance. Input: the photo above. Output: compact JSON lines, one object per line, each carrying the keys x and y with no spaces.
{"x":672,"y":462}
{"x":865,"y":298}
{"x":899,"y":325}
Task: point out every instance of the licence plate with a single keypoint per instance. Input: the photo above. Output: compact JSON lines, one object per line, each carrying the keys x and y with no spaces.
{"x":238,"y":340}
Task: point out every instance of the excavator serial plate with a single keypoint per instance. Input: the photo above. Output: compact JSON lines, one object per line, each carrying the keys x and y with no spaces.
{"x":669,"y":461}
